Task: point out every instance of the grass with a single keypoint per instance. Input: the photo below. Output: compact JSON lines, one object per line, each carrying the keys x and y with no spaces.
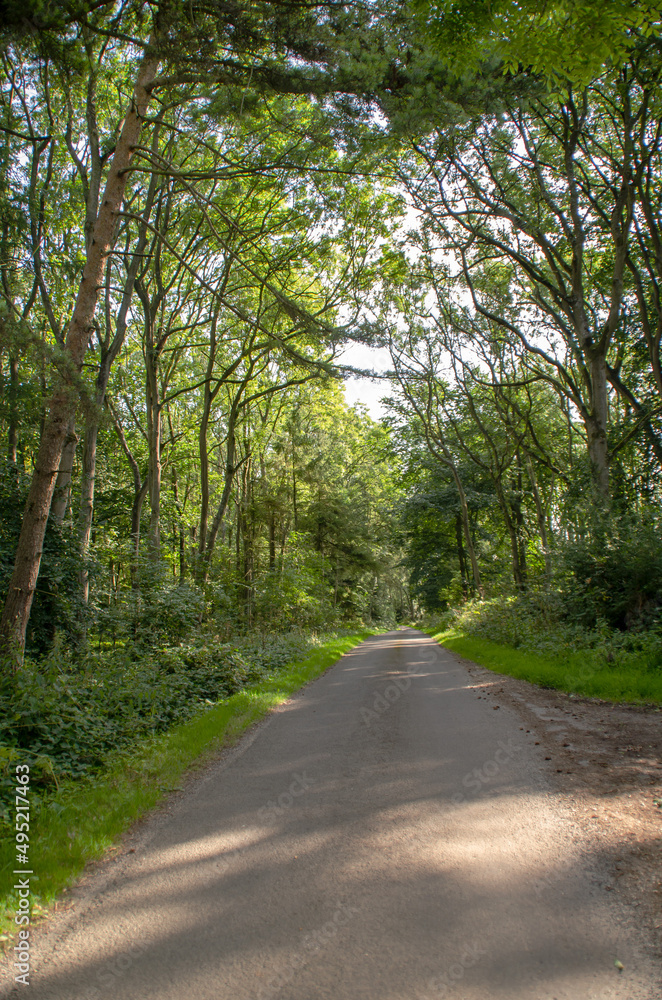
{"x":81,"y":819}
{"x":582,"y":672}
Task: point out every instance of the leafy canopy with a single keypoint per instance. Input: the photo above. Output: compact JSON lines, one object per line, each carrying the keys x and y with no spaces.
{"x":560,"y":40}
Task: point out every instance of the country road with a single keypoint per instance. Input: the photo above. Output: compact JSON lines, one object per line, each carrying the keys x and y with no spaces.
{"x":385,"y":835}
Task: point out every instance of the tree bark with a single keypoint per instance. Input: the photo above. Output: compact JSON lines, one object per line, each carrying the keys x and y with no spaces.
{"x":62,"y":491}
{"x":16,"y":613}
{"x":12,"y":435}
{"x":204,"y":481}
{"x":139,"y":494}
{"x":518,"y":521}
{"x":466,"y":526}
{"x":209,"y":397}
{"x":136,"y":512}
{"x":230,"y":471}
{"x":154,"y":442}
{"x":272,"y":541}
{"x":461,"y":556}
{"x":86,"y":509}
{"x":510,"y":521}
{"x":180,"y":533}
{"x":596,"y":426}
{"x":542,"y":518}
{"x":248,"y":544}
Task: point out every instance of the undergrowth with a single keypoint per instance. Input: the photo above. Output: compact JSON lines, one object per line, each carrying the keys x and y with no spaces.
{"x":530,"y":637}
{"x":65,"y":715}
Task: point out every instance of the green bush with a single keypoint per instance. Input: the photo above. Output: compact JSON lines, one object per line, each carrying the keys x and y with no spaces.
{"x":66,"y":717}
{"x":613,"y":572}
{"x":538,"y":623}
{"x":157,"y":611}
{"x":605,"y":601}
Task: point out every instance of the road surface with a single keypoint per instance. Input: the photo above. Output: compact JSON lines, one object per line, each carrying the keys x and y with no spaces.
{"x":386,"y":834}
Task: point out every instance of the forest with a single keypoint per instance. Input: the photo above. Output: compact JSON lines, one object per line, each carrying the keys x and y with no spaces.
{"x":205,"y":208}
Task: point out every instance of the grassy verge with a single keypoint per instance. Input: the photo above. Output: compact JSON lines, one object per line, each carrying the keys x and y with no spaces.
{"x":80,"y":821}
{"x":580,"y":673}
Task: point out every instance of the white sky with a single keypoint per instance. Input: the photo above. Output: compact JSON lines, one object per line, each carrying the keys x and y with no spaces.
{"x":365,"y":390}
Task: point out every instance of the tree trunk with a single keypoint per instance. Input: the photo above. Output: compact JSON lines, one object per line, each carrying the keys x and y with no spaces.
{"x":596,"y":426}
{"x":182,"y":555}
{"x":272,"y":541}
{"x":542,"y":519}
{"x":12,"y":435}
{"x":180,"y":535}
{"x":237,"y":539}
{"x":209,"y":397}
{"x":247,"y":534}
{"x":466,"y":527}
{"x":518,"y":522}
{"x":64,"y":402}
{"x":461,"y":556}
{"x":139,"y":494}
{"x":230,"y":470}
{"x":62,"y":491}
{"x":136,"y":511}
{"x":88,"y":476}
{"x":154,"y":444}
{"x":109,"y":351}
{"x":295,"y":511}
{"x":204,"y":483}
{"x":513,"y":534}
{"x":283,"y":542}
{"x":514,"y":551}
{"x":86,"y":509}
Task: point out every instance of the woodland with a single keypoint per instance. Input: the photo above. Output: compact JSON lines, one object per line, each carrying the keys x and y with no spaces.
{"x":203,"y":206}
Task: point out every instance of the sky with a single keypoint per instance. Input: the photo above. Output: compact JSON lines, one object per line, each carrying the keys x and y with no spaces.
{"x":365,"y":390}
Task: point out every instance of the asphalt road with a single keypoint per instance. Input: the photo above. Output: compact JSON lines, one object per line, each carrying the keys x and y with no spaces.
{"x":386,"y":834}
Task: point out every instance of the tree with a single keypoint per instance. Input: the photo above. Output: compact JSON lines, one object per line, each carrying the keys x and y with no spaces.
{"x":562,"y":40}
{"x":422,"y":390}
{"x":194,"y":49}
{"x":101,"y":226}
{"x":538,"y":209}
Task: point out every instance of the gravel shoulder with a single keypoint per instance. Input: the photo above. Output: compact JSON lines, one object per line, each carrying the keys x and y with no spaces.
{"x":606,"y":759}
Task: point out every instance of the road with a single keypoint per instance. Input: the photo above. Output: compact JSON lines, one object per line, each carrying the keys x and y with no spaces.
{"x":387,"y":834}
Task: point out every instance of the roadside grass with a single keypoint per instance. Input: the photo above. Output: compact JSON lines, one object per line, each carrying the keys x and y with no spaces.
{"x":79,"y":821}
{"x":583,"y":672}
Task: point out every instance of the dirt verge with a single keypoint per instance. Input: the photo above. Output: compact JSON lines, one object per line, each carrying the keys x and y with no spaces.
{"x":607,"y":761}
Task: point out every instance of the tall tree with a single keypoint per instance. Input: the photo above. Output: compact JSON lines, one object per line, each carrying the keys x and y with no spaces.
{"x":538,"y":209}
{"x":178,"y":54}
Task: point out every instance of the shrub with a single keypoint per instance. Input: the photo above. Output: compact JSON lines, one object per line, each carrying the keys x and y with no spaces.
{"x":614,"y":573}
{"x":538,"y":623}
{"x":66,"y":717}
